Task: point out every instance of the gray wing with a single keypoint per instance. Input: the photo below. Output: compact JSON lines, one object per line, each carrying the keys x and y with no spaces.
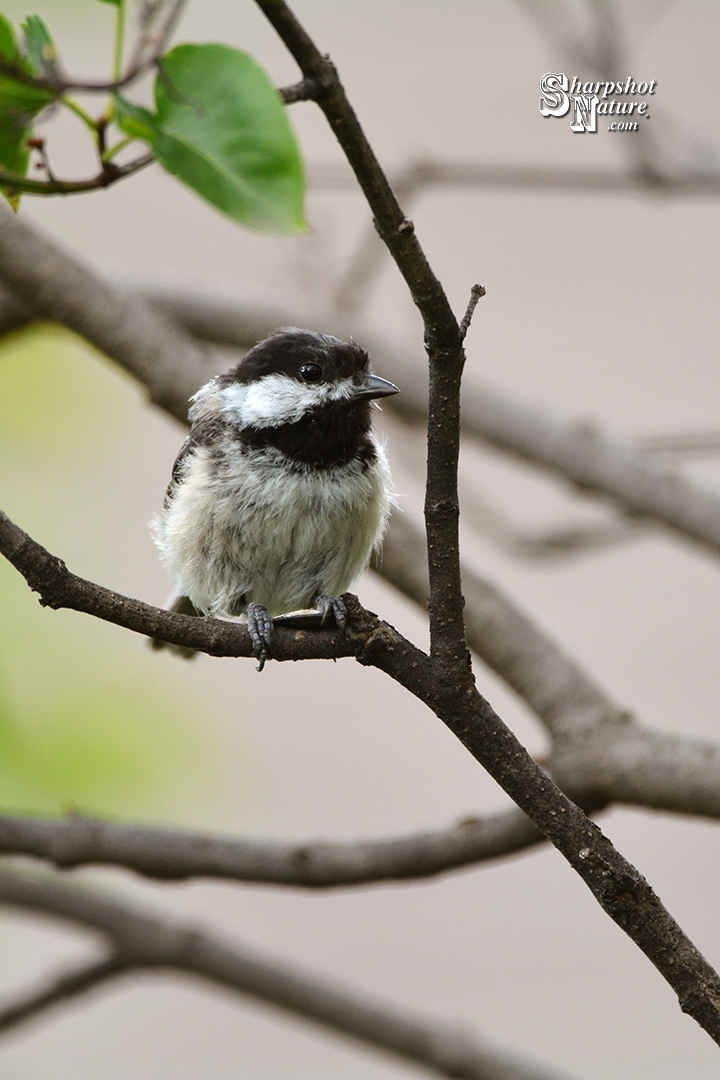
{"x":177,"y":471}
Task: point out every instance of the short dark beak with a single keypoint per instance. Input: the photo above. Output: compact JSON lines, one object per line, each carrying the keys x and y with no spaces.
{"x":372,"y":386}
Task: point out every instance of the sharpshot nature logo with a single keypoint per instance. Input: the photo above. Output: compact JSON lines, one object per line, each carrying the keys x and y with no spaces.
{"x":586,"y":101}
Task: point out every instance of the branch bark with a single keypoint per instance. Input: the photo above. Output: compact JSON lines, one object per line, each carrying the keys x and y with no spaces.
{"x":59,"y":588}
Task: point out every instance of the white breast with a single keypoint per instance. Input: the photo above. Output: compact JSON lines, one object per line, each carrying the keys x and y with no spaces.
{"x":248,"y":527}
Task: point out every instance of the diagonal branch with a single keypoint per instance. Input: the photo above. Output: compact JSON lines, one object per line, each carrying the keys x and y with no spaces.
{"x":61,"y":989}
{"x":446,"y":684}
{"x":143,"y":941}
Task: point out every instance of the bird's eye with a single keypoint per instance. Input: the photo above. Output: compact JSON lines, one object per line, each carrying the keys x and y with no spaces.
{"x":311,"y":372}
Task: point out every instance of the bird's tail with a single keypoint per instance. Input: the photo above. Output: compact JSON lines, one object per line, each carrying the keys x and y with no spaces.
{"x":182,"y":606}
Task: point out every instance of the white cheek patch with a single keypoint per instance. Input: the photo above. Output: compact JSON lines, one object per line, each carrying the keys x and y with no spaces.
{"x":277,"y":399}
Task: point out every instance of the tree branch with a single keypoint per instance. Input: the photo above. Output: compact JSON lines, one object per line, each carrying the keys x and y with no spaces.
{"x":143,"y":941}
{"x":446,"y":686}
{"x":174,"y":854}
{"x":442,"y":341}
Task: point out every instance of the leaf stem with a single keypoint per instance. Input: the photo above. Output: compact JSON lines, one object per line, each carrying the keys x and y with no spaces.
{"x":110,"y":153}
{"x":86,"y":118}
{"x":119,"y":41}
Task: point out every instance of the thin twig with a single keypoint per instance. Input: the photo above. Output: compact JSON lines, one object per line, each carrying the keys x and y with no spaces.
{"x":148,"y":50}
{"x":60,"y":989}
{"x":109,"y":175}
{"x":305,"y":90}
{"x":476,"y":293}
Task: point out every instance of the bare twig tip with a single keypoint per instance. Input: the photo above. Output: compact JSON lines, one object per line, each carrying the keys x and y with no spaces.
{"x":476,"y":293}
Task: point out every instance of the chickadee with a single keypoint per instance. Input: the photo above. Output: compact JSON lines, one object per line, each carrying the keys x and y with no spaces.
{"x":281,"y":492}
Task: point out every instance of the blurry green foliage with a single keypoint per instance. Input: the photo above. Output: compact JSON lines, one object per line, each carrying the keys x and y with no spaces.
{"x":39,"y":46}
{"x":52,"y":405}
{"x":87,"y":720}
{"x":20,"y":102}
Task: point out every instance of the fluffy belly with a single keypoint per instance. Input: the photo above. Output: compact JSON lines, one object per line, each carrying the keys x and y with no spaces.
{"x":268,"y":535}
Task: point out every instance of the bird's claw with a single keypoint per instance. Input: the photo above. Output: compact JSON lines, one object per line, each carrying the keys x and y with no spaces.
{"x":332,"y":605}
{"x":260,"y":627}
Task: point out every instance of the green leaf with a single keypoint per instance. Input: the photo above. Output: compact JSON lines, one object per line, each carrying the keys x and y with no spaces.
{"x":19,"y":105}
{"x":222,"y":129}
{"x":40,"y":48}
{"x":20,"y":102}
{"x":8,"y":44}
{"x":117,"y":3}
{"x":134,"y":120}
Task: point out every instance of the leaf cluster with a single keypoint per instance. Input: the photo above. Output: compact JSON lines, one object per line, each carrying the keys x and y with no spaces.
{"x":219,"y":125}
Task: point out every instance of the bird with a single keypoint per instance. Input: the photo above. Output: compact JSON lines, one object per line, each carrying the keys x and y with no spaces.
{"x":282,"y":491}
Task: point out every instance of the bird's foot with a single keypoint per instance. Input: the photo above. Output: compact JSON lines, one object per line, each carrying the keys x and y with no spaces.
{"x":332,"y":605}
{"x":260,"y":627}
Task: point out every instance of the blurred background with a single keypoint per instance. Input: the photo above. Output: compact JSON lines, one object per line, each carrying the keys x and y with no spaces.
{"x":599,"y":306}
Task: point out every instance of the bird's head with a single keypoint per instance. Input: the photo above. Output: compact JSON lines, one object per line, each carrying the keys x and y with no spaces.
{"x":298,"y":375}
